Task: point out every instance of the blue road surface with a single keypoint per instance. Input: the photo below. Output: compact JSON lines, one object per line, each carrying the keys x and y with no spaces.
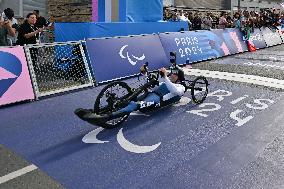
{"x":190,"y":146}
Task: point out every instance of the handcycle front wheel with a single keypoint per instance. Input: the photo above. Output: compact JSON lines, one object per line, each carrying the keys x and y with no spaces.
{"x":199,"y":89}
{"x":108,"y":101}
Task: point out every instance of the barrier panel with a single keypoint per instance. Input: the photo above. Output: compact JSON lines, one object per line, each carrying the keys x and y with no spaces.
{"x":58,"y":67}
{"x":230,"y":40}
{"x":81,"y":31}
{"x":257,"y":39}
{"x":281,"y":32}
{"x":194,"y":46}
{"x":271,"y":37}
{"x":190,"y":46}
{"x":15,"y":83}
{"x":120,"y":57}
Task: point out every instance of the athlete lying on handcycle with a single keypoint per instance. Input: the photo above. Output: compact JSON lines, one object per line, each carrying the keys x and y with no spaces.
{"x":111,"y":109}
{"x":167,"y":92}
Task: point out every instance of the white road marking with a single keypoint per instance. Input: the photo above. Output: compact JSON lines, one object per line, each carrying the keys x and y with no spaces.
{"x":17,"y":173}
{"x":91,"y":137}
{"x":130,"y":147}
{"x":252,"y":79}
{"x":138,"y":114}
{"x":239,"y":99}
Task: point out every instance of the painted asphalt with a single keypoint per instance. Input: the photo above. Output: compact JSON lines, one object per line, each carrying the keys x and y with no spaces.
{"x":11,"y":163}
{"x":265,"y":63}
{"x":233,"y":140}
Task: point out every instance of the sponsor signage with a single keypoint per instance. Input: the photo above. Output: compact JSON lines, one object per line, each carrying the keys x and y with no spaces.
{"x":15,"y":82}
{"x":120,"y":57}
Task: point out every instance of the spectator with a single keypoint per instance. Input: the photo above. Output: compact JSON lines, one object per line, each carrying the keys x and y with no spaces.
{"x":223,"y":21}
{"x":237,"y":20}
{"x":262,"y":20}
{"x":5,"y":30}
{"x":215,"y":20}
{"x":267,"y":18}
{"x":190,"y":19}
{"x":167,"y":14}
{"x":174,"y":18}
{"x":40,"y":20}
{"x":28,"y":32}
{"x":9,"y":14}
{"x":257,"y":21}
{"x":207,"y":22}
{"x":182,"y":16}
{"x":48,"y":35}
{"x":244,"y":20}
{"x":276,"y":19}
{"x":248,"y":28}
{"x":230,"y":23}
{"x":282,"y":21}
{"x":187,"y":19}
{"x":197,"y":21}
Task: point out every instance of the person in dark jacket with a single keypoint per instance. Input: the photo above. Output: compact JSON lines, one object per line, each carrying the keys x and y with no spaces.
{"x":28,"y":32}
{"x":40,"y":20}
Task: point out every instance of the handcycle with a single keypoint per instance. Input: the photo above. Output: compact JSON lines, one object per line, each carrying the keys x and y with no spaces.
{"x":118,"y":94}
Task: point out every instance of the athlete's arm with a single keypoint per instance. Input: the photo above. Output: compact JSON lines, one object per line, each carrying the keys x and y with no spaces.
{"x":176,"y":89}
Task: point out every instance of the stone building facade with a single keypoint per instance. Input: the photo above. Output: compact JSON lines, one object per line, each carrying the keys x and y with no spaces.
{"x":70,"y":10}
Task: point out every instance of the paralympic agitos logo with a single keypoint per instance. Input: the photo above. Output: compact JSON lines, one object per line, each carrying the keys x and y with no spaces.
{"x":10,"y":71}
{"x":92,"y":137}
{"x":131,"y":58}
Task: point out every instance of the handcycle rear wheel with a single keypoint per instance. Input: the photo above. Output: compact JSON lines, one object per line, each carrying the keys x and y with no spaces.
{"x":109,"y":101}
{"x":199,"y":89}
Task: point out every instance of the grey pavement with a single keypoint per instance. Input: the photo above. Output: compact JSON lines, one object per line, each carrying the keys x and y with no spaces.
{"x":10,"y":162}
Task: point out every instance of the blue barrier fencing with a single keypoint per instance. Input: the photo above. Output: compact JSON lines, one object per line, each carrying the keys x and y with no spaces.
{"x":15,"y":80}
{"x":230,"y":40}
{"x":281,"y":32}
{"x":271,"y":37}
{"x":201,"y":45}
{"x":120,"y":57}
{"x":257,"y":39}
{"x":81,"y":31}
{"x":189,"y":46}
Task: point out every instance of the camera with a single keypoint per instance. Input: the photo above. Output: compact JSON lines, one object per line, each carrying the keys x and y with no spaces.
{"x":5,"y":18}
{"x":16,"y":26}
{"x":162,"y":74}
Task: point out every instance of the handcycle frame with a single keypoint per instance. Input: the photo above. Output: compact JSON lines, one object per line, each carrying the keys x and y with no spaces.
{"x":114,"y":103}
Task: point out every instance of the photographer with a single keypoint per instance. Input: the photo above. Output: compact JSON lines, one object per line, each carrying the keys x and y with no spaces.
{"x":8,"y":14}
{"x":5,"y":30}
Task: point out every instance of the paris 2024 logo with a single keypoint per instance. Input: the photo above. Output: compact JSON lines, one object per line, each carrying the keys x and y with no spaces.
{"x":10,"y":71}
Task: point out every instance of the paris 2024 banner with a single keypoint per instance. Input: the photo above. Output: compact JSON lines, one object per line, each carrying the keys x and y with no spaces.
{"x":195,"y":46}
{"x":15,"y":82}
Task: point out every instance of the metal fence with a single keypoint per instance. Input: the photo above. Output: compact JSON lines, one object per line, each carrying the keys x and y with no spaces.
{"x":58,"y":67}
